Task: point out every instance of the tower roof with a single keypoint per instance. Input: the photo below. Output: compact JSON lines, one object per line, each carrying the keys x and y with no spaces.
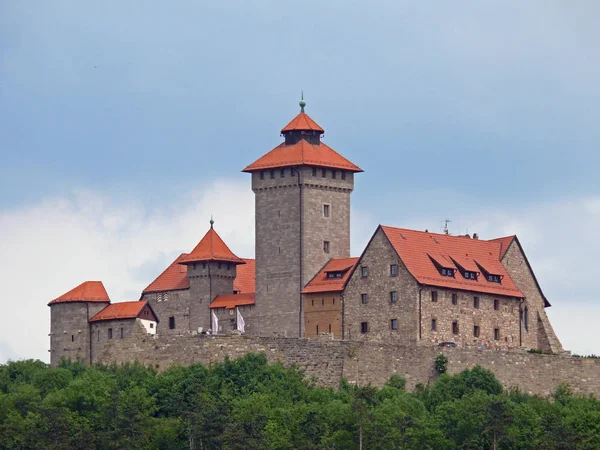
{"x":88,"y":291}
{"x":302,"y":122}
{"x":302,"y":153}
{"x":211,"y":248}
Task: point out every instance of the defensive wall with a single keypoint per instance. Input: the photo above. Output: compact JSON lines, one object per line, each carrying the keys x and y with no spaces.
{"x":360,"y":362}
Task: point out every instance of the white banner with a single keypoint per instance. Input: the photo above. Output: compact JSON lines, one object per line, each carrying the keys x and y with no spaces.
{"x":241,"y":325}
{"x":215,"y":323}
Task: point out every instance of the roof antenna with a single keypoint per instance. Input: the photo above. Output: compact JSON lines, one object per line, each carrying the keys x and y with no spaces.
{"x":212,"y":222}
{"x":446,"y":222}
{"x":302,"y":103}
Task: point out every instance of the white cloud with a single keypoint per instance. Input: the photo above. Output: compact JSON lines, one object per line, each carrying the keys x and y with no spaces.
{"x":50,"y":247}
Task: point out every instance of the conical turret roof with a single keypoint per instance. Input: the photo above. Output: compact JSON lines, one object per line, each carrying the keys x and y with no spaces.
{"x":88,"y":291}
{"x":211,"y":248}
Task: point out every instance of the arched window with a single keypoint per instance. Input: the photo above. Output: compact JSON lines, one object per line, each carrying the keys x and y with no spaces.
{"x":526,"y":318}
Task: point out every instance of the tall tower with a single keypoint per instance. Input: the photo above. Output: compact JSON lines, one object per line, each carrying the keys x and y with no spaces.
{"x":69,"y":326}
{"x":302,"y":204}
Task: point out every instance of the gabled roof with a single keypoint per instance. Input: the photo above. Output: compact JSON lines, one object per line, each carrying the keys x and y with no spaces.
{"x":122,"y":310}
{"x":231,"y":301}
{"x":302,"y":122}
{"x":88,"y":291}
{"x":504,"y":244}
{"x":211,"y":248}
{"x":320,"y":283}
{"x":416,"y":247}
{"x":245,"y":277}
{"x":173,"y":278}
{"x":302,"y":153}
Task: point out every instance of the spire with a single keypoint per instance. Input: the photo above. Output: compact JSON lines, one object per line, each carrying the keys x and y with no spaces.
{"x":302,"y":103}
{"x":212,"y":222}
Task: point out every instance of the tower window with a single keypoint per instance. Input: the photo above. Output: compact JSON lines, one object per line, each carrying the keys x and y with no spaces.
{"x":228,"y":266}
{"x":393,"y":270}
{"x":364,"y":299}
{"x":314,"y":171}
{"x":110,"y":333}
{"x":476,"y":302}
{"x":322,"y":302}
{"x":454,"y":299}
{"x":219,"y":265}
{"x":343,"y":175}
{"x":526,"y":318}
{"x":317,"y":329}
{"x":393,"y":296}
{"x":282,"y":173}
{"x":476,"y":331}
{"x":194,"y":266}
{"x":325,"y":210}
{"x":496,"y":304}
{"x":496,"y":334}
{"x":326,"y":246}
{"x":394,"y":324}
{"x":364,"y":327}
{"x":171,"y":323}
{"x":455,"y":327}
{"x":330,"y":328}
{"x":98,"y":335}
{"x":122,"y":332}
{"x":433,"y":325}
{"x":72,"y":338}
{"x":324,"y":173}
{"x":272,"y":174}
{"x":434,"y":296}
{"x":313,"y":302}
{"x":262,"y":174}
{"x":333,"y":174}
{"x":364,"y":271}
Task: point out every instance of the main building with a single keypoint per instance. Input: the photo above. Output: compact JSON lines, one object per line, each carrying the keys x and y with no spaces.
{"x":408,"y":287}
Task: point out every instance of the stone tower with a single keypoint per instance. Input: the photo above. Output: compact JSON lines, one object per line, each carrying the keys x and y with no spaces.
{"x":69,"y":326}
{"x":211,"y":268}
{"x":302,"y":204}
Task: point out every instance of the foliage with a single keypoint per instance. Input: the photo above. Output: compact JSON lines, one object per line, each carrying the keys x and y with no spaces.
{"x":249,"y":404}
{"x":441,"y":363}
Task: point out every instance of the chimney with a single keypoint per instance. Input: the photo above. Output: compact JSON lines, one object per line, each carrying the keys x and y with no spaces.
{"x":475,"y":236}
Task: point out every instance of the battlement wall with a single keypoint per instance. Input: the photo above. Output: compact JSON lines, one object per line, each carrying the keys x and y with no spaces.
{"x":360,"y":362}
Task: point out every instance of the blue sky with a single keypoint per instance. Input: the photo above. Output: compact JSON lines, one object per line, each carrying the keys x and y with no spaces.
{"x":123,"y":125}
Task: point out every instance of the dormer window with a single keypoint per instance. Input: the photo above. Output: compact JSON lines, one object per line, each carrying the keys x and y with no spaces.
{"x":469,"y":275}
{"x":494,"y":278}
{"x":447,"y":272}
{"x":336,"y":274}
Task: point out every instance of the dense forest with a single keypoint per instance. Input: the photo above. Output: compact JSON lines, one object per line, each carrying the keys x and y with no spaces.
{"x":249,"y":404}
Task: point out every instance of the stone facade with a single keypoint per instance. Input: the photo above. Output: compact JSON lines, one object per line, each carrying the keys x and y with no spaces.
{"x":69,"y":330}
{"x":291,"y":229}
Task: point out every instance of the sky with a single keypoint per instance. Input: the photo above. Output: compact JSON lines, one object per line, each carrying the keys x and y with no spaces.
{"x":125,"y":125}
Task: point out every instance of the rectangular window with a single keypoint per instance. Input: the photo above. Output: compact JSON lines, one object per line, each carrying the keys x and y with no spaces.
{"x":110,"y":333}
{"x":433,"y":325}
{"x":325,"y":210}
{"x":98,"y":335}
{"x":151,"y":324}
{"x":322,"y":302}
{"x":394,"y":324}
{"x":228,"y":266}
{"x":314,"y":171}
{"x":330,"y":328}
{"x":262,"y":174}
{"x":313,"y":302}
{"x":333,"y":174}
{"x":122,"y":332}
{"x":434,"y":296}
{"x":364,"y":271}
{"x":476,"y":330}
{"x":282,"y":173}
{"x":455,"y":327}
{"x":72,"y":338}
{"x":326,"y":246}
{"x":364,"y":327}
{"x":393,"y":270}
{"x":219,"y":265}
{"x":343,"y":175}
{"x":272,"y":174}
{"x":455,"y":299}
{"x":333,"y":301}
{"x":364,"y":299}
{"x":171,"y":323}
{"x":497,"y":334}
{"x":496,"y":304}
{"x":194,"y":266}
{"x":476,"y":302}
{"x":317,"y":330}
{"x":393,"y":296}
{"x":324,"y":173}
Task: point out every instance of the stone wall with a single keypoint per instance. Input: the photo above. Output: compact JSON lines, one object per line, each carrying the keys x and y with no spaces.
{"x":322,"y":314}
{"x":360,"y":362}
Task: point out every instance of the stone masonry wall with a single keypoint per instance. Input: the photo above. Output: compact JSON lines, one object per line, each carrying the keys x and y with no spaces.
{"x":174,"y":304}
{"x":360,"y":362}
{"x":323,"y":312}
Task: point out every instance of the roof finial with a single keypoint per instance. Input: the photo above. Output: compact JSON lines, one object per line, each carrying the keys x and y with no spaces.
{"x":302,"y":103}
{"x":212,"y":222}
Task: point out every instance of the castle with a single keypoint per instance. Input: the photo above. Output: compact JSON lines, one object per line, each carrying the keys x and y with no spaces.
{"x":408,"y":288}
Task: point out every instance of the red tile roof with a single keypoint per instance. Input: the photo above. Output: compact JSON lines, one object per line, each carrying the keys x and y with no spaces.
{"x":211,"y":248}
{"x":302,"y":122}
{"x":122,"y":310}
{"x":173,"y":278}
{"x":88,"y":291}
{"x":504,"y":243}
{"x":230,"y":301}
{"x":320,"y":283}
{"x":415,"y":247}
{"x":302,"y":153}
{"x":245,"y":277}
